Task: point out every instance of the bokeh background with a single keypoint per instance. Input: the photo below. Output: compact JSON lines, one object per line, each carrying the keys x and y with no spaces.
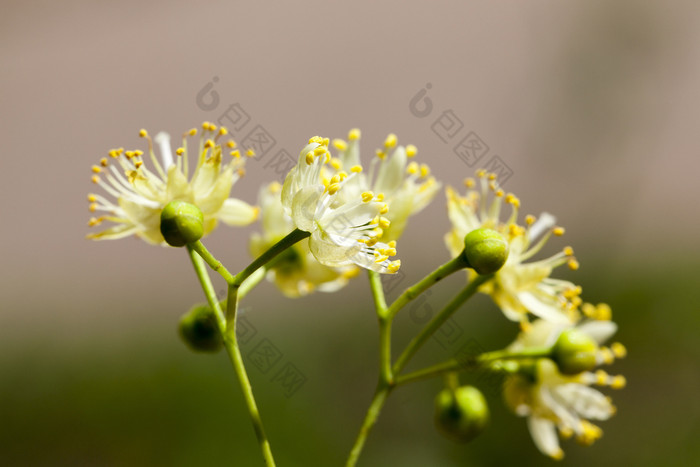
{"x":591,"y":107}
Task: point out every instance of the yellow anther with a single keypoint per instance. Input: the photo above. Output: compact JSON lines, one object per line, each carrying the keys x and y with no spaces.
{"x":138,"y":164}
{"x":93,"y":207}
{"x":319,"y":151}
{"x":335,"y":178}
{"x":499,"y":193}
{"x":424,"y":170}
{"x":143,"y":133}
{"x":138,"y":153}
{"x":343,"y":175}
{"x":380,"y":154}
{"x":607,"y":355}
{"x":367,"y":196}
{"x":618,"y":350}
{"x":381,"y":259}
{"x":95,"y":221}
{"x":529,"y":219}
{"x":492,"y":186}
{"x":95,"y":179}
{"x":92,"y":198}
{"x":212,"y":127}
{"x":565,"y":432}
{"x":328,"y":158}
{"x":192,"y":132}
{"x":384,"y":209}
{"x":378,"y":232}
{"x":380,"y":196}
{"x":240,"y":172}
{"x":103,"y":162}
{"x":601,"y":378}
{"x":309,"y":158}
{"x":354,"y":134}
{"x":384,"y":223}
{"x":316,"y":139}
{"x":326,"y":142}
{"x":335,"y":163}
{"x":394,"y":266}
{"x":411,"y":150}
{"x":236,"y":153}
{"x":113,"y":153}
{"x":223,"y":131}
{"x":412,"y":168}
{"x":205,"y":126}
{"x":274,"y":187}
{"x":573,"y":264}
{"x":390,"y":141}
{"x":469,"y":182}
{"x":340,"y":144}
{"x":356,"y":169}
{"x":231,"y":144}
{"x":603,"y":312}
{"x":388,"y":251}
{"x":180,"y":151}
{"x":333,"y":188}
{"x":129,"y":154}
{"x":558,"y":231}
{"x":250,"y":153}
{"x":372,"y":241}
{"x":618,"y":382}
{"x":392,"y":244}
{"x":209,"y":144}
{"x":568,"y":251}
{"x":96,"y":169}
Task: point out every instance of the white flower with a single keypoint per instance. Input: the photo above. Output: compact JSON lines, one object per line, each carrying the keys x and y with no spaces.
{"x":553,"y":401}
{"x":406,"y":187}
{"x":518,"y":287}
{"x":344,"y":229}
{"x":295,"y":271}
{"x":142,"y":194}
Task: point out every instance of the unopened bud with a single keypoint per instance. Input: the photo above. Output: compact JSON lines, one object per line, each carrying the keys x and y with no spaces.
{"x":462,"y":414}
{"x":181,"y":223}
{"x":199,"y":330}
{"x":485,"y":250}
{"x":575,"y":352}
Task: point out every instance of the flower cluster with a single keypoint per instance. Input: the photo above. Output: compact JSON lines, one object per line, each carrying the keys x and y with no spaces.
{"x":520,"y":287}
{"x":141,"y":194}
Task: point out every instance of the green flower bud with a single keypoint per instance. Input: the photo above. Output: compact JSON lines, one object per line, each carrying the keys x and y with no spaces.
{"x":575,"y":352}
{"x":461,"y":415}
{"x":199,"y":330}
{"x":485,"y":250}
{"x":181,"y":223}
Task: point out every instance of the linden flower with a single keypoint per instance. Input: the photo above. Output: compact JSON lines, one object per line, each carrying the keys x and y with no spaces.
{"x":344,"y":229}
{"x":518,"y":287}
{"x":406,"y":187}
{"x":295,"y":272}
{"x":553,"y":401}
{"x":142,"y":194}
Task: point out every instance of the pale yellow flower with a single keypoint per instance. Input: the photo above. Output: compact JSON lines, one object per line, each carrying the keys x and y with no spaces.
{"x":553,"y":401}
{"x":406,"y":187}
{"x":519,"y":287}
{"x":296,"y":272}
{"x":141,"y":194}
{"x":345,"y":227}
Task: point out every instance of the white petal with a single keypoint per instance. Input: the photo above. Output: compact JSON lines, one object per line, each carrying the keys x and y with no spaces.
{"x":304,"y":207}
{"x":545,"y":222}
{"x":162,"y":139}
{"x":543,"y":310}
{"x":599,"y":330}
{"x":544,"y":434}
{"x":391,"y":172}
{"x":587,"y":402}
{"x":237,"y":212}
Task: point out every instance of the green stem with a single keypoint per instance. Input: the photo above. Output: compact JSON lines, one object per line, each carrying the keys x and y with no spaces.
{"x":231,"y":344}
{"x":483,"y":360}
{"x":384,"y":327}
{"x":438,"y":321}
{"x":292,"y":238}
{"x":375,"y":408}
{"x":428,"y":281}
{"x":213,"y":263}
{"x":237,"y":281}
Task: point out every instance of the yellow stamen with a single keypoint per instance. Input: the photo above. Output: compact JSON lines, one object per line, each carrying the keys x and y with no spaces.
{"x":411,"y":150}
{"x":354,"y":134}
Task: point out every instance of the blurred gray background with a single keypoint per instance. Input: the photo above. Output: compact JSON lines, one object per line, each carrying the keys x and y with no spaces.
{"x":588,"y":110}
